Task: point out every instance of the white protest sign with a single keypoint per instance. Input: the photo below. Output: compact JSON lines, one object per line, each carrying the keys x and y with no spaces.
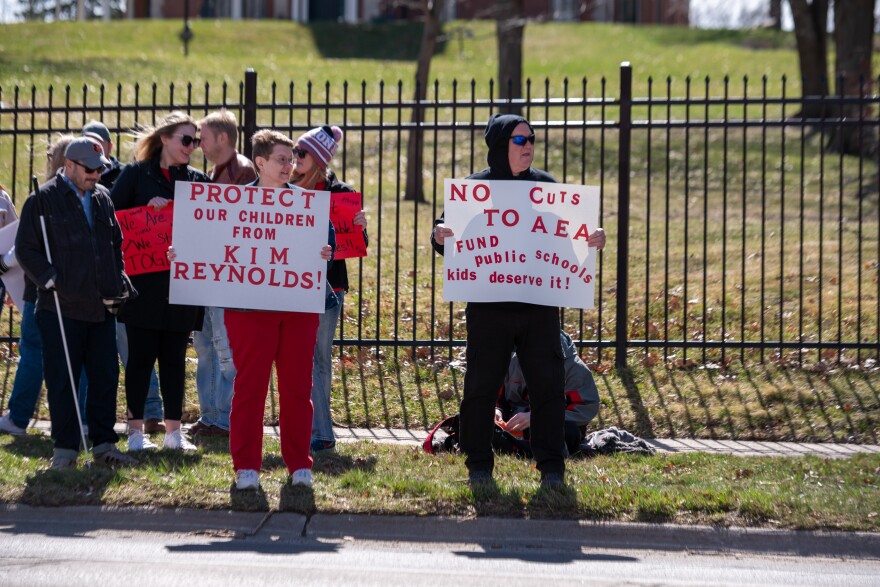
{"x":520,"y":241}
{"x":14,"y":278}
{"x":249,"y":247}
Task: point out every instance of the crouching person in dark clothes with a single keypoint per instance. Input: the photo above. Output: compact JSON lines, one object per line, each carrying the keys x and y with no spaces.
{"x":86,"y":273}
{"x":494,"y":329}
{"x":581,"y":398}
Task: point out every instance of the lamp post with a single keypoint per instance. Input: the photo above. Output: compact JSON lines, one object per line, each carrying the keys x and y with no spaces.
{"x":186,"y":34}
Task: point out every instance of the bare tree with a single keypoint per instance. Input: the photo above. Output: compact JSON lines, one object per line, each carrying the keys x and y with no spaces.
{"x":811,"y":34}
{"x":776,"y":14}
{"x":510,"y":24}
{"x":432,"y":10}
{"x":854,"y":38}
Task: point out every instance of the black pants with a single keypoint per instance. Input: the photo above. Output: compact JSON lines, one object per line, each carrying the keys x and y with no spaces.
{"x":91,"y":345}
{"x":494,"y":330}
{"x":145,"y":347}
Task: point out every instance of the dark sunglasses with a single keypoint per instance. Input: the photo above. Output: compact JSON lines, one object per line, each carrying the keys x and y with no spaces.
{"x":90,"y":169}
{"x":520,"y":140}
{"x":187,"y":140}
{"x":300,"y":152}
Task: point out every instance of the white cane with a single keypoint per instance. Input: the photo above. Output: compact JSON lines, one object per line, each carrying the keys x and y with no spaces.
{"x":82,"y":432}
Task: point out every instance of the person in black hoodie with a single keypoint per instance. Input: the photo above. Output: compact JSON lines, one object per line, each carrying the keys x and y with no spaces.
{"x":157,"y":329}
{"x":494,"y":329}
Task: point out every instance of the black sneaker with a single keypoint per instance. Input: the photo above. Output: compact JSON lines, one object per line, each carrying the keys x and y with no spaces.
{"x":552,"y":480}
{"x":318,"y":446}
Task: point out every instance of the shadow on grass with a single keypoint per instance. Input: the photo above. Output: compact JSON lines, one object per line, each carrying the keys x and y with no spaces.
{"x":867,"y":426}
{"x":369,"y":41}
{"x":80,"y":486}
{"x":212,"y":444}
{"x":35,"y":446}
{"x":335,"y":464}
{"x":643,"y":425}
{"x":272,"y":461}
{"x":554,"y":503}
{"x":247,"y":500}
{"x":732,"y":431}
{"x":490,"y":501}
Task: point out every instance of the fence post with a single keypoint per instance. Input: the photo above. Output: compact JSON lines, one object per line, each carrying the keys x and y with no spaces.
{"x":623,"y":168}
{"x":250,"y":110}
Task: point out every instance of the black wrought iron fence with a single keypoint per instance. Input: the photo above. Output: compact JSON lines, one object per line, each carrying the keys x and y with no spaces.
{"x":734,"y":232}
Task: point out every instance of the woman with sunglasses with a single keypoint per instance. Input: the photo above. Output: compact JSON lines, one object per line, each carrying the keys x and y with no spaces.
{"x":495,"y":329}
{"x":157,"y":330}
{"x":312,"y":152}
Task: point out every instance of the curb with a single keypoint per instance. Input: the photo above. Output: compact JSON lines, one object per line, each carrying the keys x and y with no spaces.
{"x":488,"y":533}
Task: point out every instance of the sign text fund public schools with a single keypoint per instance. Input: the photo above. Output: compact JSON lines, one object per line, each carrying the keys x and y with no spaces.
{"x":249,"y":247}
{"x":520,"y":241}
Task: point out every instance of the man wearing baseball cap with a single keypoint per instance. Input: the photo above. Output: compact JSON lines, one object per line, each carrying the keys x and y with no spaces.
{"x":83,"y":268}
{"x":98,"y":131}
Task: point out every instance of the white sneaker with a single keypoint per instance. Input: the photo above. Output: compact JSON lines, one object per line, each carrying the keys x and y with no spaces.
{"x":138,"y":442}
{"x":7,"y":425}
{"x":302,"y":477}
{"x":247,"y":479}
{"x":177,"y":441}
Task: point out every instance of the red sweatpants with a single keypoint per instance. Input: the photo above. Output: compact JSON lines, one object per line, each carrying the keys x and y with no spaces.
{"x":257,"y":340}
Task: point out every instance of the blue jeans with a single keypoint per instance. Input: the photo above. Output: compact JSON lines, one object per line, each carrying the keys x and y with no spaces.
{"x":322,"y":375}
{"x":92,"y":347}
{"x":153,"y":405}
{"x":215,"y":372}
{"x":29,"y":375}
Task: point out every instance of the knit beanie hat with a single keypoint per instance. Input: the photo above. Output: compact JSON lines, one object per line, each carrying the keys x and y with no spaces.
{"x":321,"y":143}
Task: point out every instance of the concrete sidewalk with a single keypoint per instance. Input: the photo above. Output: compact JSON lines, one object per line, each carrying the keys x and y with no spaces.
{"x":408,"y":437}
{"x":491,"y":533}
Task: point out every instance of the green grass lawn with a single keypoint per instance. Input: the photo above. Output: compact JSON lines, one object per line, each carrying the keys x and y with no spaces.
{"x":796,"y":493}
{"x":147,"y":51}
{"x":679,"y":180}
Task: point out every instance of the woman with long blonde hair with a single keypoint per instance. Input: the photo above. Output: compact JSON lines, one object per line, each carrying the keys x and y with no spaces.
{"x":157,"y":329}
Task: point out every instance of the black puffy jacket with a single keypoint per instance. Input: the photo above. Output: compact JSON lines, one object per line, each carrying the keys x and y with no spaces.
{"x":86,"y":262}
{"x":136,"y":185}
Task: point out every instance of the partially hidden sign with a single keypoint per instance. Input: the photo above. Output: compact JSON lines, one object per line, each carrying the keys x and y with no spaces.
{"x":349,"y":238}
{"x":520,"y":241}
{"x":249,"y":247}
{"x":146,"y":236}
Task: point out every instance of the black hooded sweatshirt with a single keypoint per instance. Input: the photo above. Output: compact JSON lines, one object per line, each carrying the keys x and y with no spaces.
{"x":498,"y":132}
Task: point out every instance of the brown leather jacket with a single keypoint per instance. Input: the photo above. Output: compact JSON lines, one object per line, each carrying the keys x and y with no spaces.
{"x":238,"y":171}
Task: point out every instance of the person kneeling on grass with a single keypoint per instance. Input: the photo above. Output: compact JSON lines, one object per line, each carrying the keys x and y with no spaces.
{"x":512,"y":434}
{"x":512,"y":414}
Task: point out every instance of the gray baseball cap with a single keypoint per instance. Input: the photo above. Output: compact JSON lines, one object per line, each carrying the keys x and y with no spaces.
{"x":97,"y":128}
{"x":86,"y":152}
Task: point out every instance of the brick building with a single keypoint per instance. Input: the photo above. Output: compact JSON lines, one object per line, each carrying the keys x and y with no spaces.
{"x":357,"y":11}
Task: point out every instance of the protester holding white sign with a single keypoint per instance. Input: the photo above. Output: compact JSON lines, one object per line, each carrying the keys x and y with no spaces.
{"x":520,"y":314}
{"x":531,"y":239}
{"x":261,"y":338}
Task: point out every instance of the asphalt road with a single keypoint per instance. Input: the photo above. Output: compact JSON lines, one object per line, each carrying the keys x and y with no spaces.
{"x":90,"y":546}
